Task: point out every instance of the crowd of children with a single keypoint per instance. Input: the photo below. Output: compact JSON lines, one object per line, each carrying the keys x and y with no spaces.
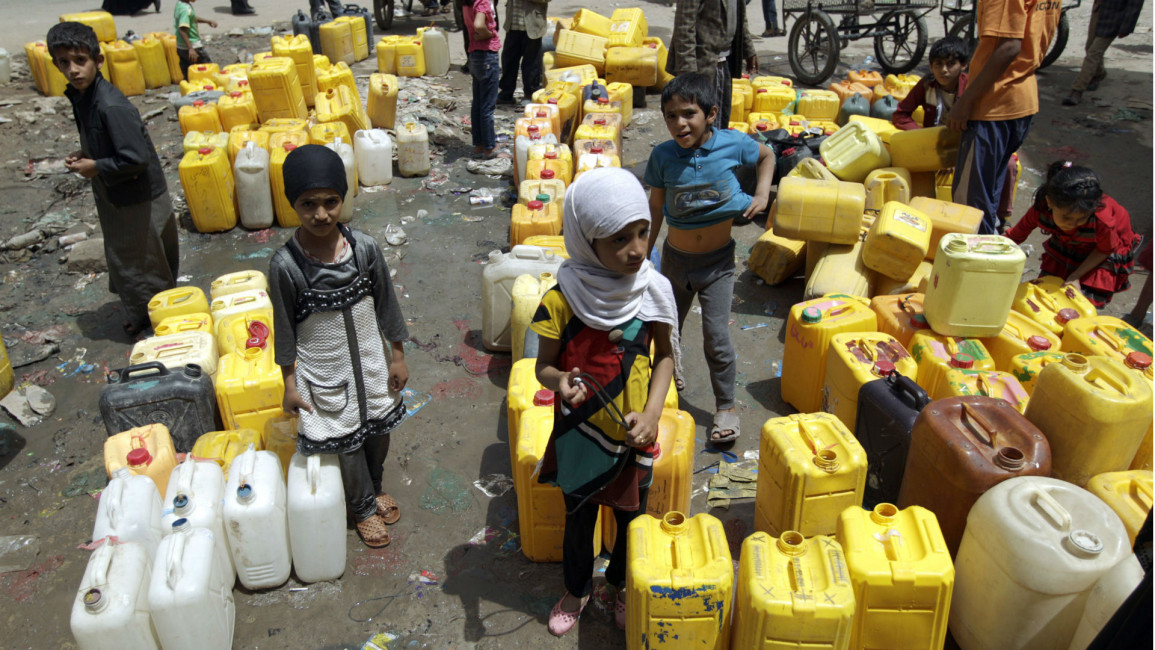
{"x":339,"y":328}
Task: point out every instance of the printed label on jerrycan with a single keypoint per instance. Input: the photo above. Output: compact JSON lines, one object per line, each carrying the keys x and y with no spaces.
{"x":910,"y":220}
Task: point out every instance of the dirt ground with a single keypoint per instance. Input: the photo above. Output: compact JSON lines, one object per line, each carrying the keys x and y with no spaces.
{"x":486,"y":594}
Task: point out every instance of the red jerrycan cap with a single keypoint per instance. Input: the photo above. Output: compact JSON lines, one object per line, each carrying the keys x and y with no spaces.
{"x":536,"y":205}
{"x":138,"y":457}
{"x":531,"y":129}
{"x":1038,"y":343}
{"x":289,"y":146}
{"x":235,"y":94}
{"x":207,"y":87}
{"x":763,"y":90}
{"x":202,"y":68}
{"x":1138,"y":360}
{"x":256,"y":342}
{"x":551,"y":155}
{"x":543,"y":397}
{"x":882,"y":367}
{"x":596,"y":150}
{"x":603,"y":100}
{"x":811,"y":315}
{"x":961,"y":360}
{"x":243,"y":82}
{"x":654,"y":449}
{"x":551,"y":100}
{"x":918,"y":322}
{"x":542,"y":115}
{"x":789,"y":151}
{"x":1066,"y":315}
{"x":204,"y":151}
{"x":547,"y":174}
{"x":762,"y":126}
{"x":198,"y":103}
{"x":259,"y":329}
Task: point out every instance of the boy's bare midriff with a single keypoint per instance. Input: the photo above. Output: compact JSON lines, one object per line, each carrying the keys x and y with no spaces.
{"x":700,"y":240}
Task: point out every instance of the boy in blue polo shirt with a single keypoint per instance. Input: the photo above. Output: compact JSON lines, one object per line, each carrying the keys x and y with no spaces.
{"x":694,"y":190}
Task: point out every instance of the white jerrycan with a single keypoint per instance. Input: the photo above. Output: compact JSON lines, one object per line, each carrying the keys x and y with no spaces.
{"x":195,"y":492}
{"x":345,"y":150}
{"x":316,"y":517}
{"x":255,"y":520}
{"x":111,"y":611}
{"x":254,"y":191}
{"x":129,"y":510}
{"x":373,"y":149}
{"x":191,"y":605}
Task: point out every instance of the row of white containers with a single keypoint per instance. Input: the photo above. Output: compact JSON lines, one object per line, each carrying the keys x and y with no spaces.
{"x":164,"y":576}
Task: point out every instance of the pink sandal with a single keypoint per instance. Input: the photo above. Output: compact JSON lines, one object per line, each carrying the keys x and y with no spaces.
{"x":620,"y":610}
{"x":561,"y":621}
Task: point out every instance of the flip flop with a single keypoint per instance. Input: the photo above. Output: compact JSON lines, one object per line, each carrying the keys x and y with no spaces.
{"x":725,"y":421}
{"x":561,"y":621}
{"x":373,"y":532}
{"x":388,"y":509}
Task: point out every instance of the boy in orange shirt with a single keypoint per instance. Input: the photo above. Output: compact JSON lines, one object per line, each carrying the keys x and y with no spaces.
{"x":995,"y":111}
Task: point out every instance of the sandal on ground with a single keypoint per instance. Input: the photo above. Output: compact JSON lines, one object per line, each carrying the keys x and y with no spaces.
{"x":725,"y":421}
{"x":561,"y":621}
{"x":373,"y":532}
{"x":428,"y":11}
{"x":620,"y":610}
{"x":387,"y":509}
{"x":446,"y":9}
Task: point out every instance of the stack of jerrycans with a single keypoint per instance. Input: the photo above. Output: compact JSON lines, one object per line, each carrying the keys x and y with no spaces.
{"x":854,"y":359}
{"x":810,"y":469}
{"x":1052,"y":303}
{"x":249,"y":387}
{"x":961,"y":447}
{"x":792,"y":592}
{"x":679,"y":582}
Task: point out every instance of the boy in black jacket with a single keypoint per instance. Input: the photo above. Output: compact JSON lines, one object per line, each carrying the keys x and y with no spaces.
{"x":116,"y":154}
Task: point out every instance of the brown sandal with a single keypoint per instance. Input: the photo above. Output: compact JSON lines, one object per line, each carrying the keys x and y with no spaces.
{"x":388,"y":509}
{"x":373,"y":532}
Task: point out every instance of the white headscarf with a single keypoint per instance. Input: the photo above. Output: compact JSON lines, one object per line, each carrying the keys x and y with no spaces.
{"x":597,"y":205}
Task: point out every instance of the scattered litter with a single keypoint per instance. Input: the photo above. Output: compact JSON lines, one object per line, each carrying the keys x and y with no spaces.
{"x":494,"y":485}
{"x":68,"y":240}
{"x":395,"y":236}
{"x":28,"y":404}
{"x":18,"y":552}
{"x":491,"y":167}
{"x":1028,"y":249}
{"x":41,"y":401}
{"x":481,"y":196}
{"x":750,"y":454}
{"x":414,"y":401}
{"x":776,"y":368}
{"x":755,"y":326}
{"x":407,"y":219}
{"x":86,"y":482}
{"x":380,"y":641}
{"x":23,"y":240}
{"x":261,"y":236}
{"x":445,"y":491}
{"x":426,"y":577}
{"x":154,"y":113}
{"x":732,"y":482}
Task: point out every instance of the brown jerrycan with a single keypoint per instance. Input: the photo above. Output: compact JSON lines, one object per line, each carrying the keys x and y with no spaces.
{"x":961,"y":447}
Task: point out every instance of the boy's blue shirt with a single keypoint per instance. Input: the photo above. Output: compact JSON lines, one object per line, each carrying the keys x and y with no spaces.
{"x":701,"y":188}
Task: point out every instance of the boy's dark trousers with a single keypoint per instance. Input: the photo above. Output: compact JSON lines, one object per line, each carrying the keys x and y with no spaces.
{"x":202,"y":57}
{"x":519,"y":50}
{"x":578,"y":544}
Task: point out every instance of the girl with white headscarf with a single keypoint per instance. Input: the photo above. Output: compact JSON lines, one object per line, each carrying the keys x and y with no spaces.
{"x":595,"y":330}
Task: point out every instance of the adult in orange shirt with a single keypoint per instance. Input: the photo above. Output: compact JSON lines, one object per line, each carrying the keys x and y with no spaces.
{"x":995,"y":111}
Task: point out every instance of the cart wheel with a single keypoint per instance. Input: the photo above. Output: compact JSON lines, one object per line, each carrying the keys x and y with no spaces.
{"x":1057,"y":43}
{"x":964,"y":28}
{"x":383,"y":13}
{"x":813,"y":47}
{"x":901,"y":47}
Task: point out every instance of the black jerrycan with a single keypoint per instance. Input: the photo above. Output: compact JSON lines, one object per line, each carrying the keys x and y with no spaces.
{"x":887,"y":409}
{"x":149,"y":393}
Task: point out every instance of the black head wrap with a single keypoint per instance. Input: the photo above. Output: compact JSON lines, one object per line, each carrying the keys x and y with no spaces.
{"x":311,"y":167}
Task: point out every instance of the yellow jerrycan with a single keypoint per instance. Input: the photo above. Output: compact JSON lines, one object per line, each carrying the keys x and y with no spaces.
{"x":772,"y":98}
{"x":793,"y":592}
{"x":410,"y":58}
{"x":337,"y":41}
{"x":636,"y":65}
{"x":900,"y":315}
{"x":237,"y":109}
{"x":187,"y":87}
{"x":177,"y":350}
{"x":540,"y":507}
{"x":855,"y":358}
{"x":573,"y":48}
{"x":145,"y":451}
{"x":809,"y":328}
{"x":588,"y":21}
{"x":884,"y":129}
{"x":382,"y":100}
{"x":178,"y":301}
{"x":286,"y":215}
{"x":935,"y":354}
{"x":277,"y":89}
{"x":973,"y":284}
{"x":124,"y":66}
{"x":300,"y":51}
{"x":250,"y":388}
{"x":533,"y":218}
{"x":902,"y":574}
{"x":7,"y":376}
{"x":324,"y":133}
{"x":985,"y":383}
{"x":812,"y":168}
{"x":853,"y":152}
{"x":280,"y":437}
{"x":527,"y":293}
{"x":187,"y":323}
{"x":172,"y":59}
{"x":627,"y":28}
{"x":101,"y":22}
{"x":775,"y":258}
{"x":1129,"y":495}
{"x":387,"y":54}
{"x":555,"y":243}
{"x":153,"y":64}
{"x":946,"y":217}
{"x":1140,"y":364}
{"x":223,"y":446}
{"x":679,"y":583}
{"x":925,"y":150}
{"x":897,"y":241}
{"x":886,"y":184}
{"x":1105,"y":336}
{"x":340,"y":105}
{"x":532,"y":189}
{"x":1045,"y":299}
{"x":663,"y":56}
{"x":1020,"y":335}
{"x":1094,"y":411}
{"x":1026,"y":367}
{"x":208,"y":188}
{"x":813,"y":210}
{"x":819,"y":105}
{"x":810,"y":468}
{"x":522,"y":392}
{"x":838,"y":268}
{"x":884,"y":285}
{"x":238,"y":136}
{"x":336,"y":75}
{"x":197,"y":140}
{"x":240,"y":331}
{"x":199,"y":117}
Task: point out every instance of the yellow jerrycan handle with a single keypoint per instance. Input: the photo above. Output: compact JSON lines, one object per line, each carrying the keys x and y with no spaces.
{"x":1108,"y":337}
{"x":825,"y":459}
{"x":1141,"y":492}
{"x":1042,"y":296}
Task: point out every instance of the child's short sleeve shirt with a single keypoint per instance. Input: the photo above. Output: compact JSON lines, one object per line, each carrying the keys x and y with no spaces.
{"x":468,"y":12}
{"x":701,"y":188}
{"x":185,"y":16}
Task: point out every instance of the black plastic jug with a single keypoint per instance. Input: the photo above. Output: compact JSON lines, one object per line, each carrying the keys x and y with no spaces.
{"x":884,"y":107}
{"x":790,"y":158}
{"x":311,"y":27}
{"x":149,"y":393}
{"x":854,"y":105}
{"x":887,"y":409}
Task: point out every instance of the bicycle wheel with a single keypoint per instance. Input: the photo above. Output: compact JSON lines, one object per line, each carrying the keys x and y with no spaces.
{"x":383,"y":13}
{"x":1058,"y":42}
{"x":813,"y":47}
{"x":965,"y":29}
{"x":900,"y":49}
